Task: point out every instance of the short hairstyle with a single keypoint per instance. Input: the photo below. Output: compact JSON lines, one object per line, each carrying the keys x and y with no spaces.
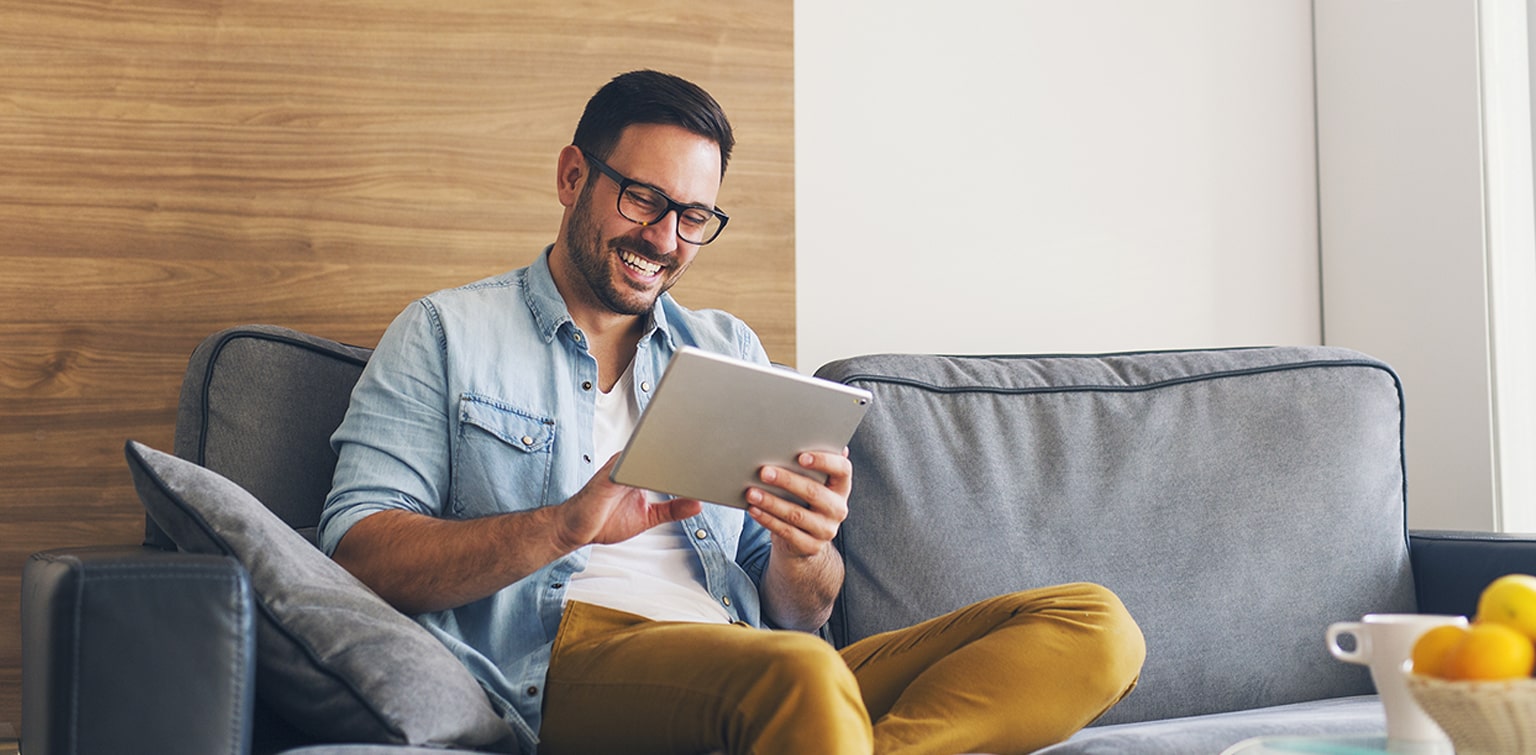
{"x":651,"y":97}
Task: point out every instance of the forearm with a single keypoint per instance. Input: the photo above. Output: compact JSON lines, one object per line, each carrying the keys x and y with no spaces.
{"x":421,"y":564}
{"x":797,"y":592}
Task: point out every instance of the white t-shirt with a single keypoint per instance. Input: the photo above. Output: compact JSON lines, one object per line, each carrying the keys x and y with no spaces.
{"x":655,"y":574}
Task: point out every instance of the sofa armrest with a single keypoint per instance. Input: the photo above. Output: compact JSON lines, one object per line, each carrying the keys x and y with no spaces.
{"x":1451,"y":568}
{"x":134,"y":650}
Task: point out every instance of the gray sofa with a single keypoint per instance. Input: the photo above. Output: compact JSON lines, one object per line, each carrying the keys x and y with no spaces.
{"x":1237,"y":500}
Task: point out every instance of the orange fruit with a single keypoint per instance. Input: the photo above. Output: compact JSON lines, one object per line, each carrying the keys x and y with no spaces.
{"x":1434,"y":646}
{"x":1510,"y":600}
{"x":1490,"y":651}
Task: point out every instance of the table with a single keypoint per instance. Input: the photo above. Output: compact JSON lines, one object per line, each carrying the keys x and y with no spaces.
{"x":1359,"y":744}
{"x":9,"y":744}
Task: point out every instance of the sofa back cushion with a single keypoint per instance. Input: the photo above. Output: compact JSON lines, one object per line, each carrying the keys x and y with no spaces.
{"x":1238,"y":501}
{"x":258,"y":406}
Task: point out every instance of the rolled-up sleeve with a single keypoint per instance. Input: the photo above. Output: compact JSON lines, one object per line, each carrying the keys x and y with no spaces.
{"x":393,"y":445}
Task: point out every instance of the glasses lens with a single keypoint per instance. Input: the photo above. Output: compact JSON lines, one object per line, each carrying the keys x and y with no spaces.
{"x":698,"y":226}
{"x":695,"y":225}
{"x":642,"y":205}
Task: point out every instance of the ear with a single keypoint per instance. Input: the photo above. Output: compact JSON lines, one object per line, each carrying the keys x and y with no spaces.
{"x":571,"y":175}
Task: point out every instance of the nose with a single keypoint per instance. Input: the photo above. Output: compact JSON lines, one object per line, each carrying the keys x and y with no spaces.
{"x":662,"y":233}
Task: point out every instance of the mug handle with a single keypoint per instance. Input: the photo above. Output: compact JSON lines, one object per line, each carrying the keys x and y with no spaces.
{"x":1350,"y":628}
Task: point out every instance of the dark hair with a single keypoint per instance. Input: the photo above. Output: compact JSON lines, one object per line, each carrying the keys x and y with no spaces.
{"x":651,"y":97}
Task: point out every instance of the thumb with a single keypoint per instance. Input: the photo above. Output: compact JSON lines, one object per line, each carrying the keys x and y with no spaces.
{"x":675,"y":510}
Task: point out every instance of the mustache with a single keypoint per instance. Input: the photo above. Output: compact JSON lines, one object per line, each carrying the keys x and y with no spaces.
{"x":640,"y":247}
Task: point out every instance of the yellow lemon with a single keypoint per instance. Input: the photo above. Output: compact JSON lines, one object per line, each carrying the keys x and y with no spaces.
{"x":1434,"y":646}
{"x":1510,"y":600}
{"x":1490,"y":651}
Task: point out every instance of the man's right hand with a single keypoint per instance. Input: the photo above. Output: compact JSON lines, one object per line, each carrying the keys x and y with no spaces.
{"x":421,"y":563}
{"x":605,"y":512}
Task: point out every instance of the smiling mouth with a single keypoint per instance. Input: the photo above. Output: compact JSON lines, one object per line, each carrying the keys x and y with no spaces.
{"x":638,"y":263}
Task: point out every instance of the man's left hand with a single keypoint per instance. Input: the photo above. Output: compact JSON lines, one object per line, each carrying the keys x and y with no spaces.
{"x":804,"y":531}
{"x":804,"y":569}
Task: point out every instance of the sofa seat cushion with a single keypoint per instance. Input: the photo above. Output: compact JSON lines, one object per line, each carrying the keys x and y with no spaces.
{"x":332,"y":657}
{"x":1214,"y":733}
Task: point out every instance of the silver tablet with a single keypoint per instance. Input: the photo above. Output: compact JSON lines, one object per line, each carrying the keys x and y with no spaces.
{"x":715,"y":421}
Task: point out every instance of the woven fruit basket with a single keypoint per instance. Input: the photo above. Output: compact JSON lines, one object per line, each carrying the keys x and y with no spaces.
{"x":1481,"y":718}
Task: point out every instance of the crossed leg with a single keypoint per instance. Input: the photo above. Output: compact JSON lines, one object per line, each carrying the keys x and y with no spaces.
{"x":1010,"y":674}
{"x":622,"y":683}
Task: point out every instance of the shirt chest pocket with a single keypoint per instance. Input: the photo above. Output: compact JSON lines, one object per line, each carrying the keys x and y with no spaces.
{"x":502,"y":458}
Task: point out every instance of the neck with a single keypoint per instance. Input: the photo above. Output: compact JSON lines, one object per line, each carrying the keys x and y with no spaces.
{"x":612,"y":337}
{"x":613,"y":345}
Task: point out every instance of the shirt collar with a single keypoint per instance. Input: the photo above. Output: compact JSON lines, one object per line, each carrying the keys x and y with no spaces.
{"x":551,"y":313}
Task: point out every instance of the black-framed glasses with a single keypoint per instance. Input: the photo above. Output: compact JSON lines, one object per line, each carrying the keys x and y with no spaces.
{"x":645,"y":204}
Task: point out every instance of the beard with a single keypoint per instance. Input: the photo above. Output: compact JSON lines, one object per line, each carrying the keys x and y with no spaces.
{"x":593,"y":258}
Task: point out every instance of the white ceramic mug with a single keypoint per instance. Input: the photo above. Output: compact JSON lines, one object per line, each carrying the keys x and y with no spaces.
{"x":1384,"y":641}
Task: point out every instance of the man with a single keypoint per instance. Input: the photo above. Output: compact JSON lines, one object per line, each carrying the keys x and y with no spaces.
{"x":472,"y":491}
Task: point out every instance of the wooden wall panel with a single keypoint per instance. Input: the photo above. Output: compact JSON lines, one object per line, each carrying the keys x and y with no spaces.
{"x":172,"y":167}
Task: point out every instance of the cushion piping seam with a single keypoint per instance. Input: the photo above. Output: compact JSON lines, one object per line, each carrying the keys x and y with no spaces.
{"x":1107,"y":388}
{"x":213,"y":358}
{"x":78,"y":640}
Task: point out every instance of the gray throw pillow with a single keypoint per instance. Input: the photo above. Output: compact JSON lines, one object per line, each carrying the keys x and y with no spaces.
{"x":333,"y":658}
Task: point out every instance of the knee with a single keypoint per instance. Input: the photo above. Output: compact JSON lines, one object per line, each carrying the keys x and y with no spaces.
{"x":1116,"y":643}
{"x":803,"y":662}
{"x":805,"y":699}
{"x":1093,"y":628}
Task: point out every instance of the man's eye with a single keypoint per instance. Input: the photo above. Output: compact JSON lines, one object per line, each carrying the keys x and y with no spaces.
{"x":696,"y":218}
{"x":647,"y":200}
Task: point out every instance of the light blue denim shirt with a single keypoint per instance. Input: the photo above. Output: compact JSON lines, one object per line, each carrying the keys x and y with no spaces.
{"x":479,"y":401}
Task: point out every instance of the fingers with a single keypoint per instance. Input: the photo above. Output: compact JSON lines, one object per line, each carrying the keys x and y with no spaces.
{"x":600,"y":486}
{"x":807,"y":529}
{"x":788,"y":530}
{"x":837,"y":468}
{"x":604,"y":511}
{"x":604,"y":473}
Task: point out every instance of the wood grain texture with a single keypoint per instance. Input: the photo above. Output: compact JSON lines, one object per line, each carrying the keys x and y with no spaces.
{"x":172,"y":167}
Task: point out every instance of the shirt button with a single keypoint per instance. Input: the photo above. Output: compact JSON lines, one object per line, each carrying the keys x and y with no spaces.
{"x":726,"y":599}
{"x":557,"y":585}
{"x":701,"y":533}
{"x":576,"y":337}
{"x":586,"y":385}
{"x":586,"y":458}
{"x":646,"y":387}
{"x":527,"y":440}
{"x":532,"y":691}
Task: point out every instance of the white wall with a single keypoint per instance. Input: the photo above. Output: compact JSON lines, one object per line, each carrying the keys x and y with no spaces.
{"x":989,"y":176}
{"x":1400,"y":136}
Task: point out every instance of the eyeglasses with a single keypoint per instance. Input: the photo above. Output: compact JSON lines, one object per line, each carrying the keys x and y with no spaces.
{"x":647,"y":205}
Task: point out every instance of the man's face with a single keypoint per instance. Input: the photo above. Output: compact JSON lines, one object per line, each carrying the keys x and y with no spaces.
{"x":623,"y":266}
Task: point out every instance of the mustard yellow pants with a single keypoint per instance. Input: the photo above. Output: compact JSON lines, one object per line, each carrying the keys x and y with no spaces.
{"x":1010,"y":674}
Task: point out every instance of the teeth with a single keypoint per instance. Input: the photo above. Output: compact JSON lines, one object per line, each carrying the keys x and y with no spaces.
{"x":643,"y":265}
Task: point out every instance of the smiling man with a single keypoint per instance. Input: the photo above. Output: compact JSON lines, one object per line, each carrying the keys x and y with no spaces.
{"x":472,"y":491}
